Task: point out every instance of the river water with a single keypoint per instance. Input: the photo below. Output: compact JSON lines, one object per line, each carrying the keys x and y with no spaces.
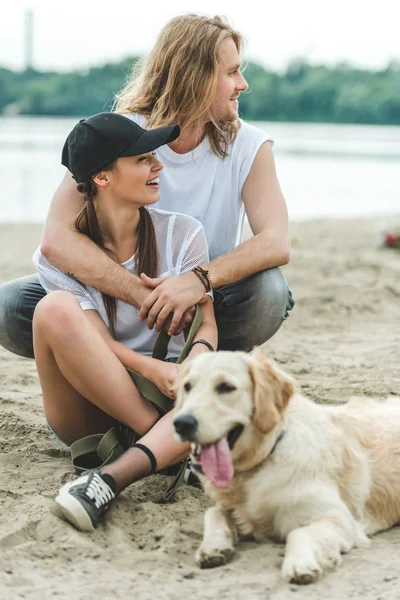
{"x":324,"y":170}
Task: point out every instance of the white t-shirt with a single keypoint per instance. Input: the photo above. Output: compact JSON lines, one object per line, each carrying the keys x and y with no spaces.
{"x":181,"y":245}
{"x":209,"y":188}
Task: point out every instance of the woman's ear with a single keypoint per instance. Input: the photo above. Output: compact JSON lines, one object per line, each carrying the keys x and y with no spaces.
{"x":102,"y":179}
{"x":272,"y":390}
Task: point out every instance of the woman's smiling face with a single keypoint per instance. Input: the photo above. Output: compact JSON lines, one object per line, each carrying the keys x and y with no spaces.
{"x":134,"y":179}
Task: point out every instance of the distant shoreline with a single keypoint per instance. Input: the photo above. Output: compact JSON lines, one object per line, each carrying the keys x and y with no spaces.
{"x":380,"y":220}
{"x":304,"y":93}
{"x":9,"y":116}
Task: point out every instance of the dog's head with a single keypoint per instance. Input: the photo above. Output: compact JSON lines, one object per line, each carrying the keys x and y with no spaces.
{"x":228,"y":403}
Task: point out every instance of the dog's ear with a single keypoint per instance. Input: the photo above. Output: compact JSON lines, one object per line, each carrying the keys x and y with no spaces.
{"x":179,"y":383}
{"x":272,"y":391}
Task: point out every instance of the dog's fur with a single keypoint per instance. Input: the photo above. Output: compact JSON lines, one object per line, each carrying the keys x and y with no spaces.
{"x":331,"y":481}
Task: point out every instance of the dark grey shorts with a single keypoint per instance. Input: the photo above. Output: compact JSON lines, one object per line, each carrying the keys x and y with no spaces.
{"x":170,"y":360}
{"x":56,"y":434}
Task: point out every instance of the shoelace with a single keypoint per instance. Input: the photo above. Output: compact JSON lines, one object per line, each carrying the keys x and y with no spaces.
{"x":99,"y":491}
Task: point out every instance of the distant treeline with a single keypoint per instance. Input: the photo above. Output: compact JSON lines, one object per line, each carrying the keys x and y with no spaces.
{"x":304,"y":92}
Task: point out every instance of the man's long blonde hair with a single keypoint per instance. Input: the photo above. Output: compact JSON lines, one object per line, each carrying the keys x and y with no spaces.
{"x":177,"y":82}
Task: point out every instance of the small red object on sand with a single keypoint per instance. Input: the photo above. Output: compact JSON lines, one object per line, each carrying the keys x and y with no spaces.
{"x":391,"y":239}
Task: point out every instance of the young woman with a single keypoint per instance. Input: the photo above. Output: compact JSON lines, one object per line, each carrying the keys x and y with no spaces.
{"x":83,"y":339}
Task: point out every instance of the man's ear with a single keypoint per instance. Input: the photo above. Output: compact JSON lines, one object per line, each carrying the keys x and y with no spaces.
{"x":272,"y":390}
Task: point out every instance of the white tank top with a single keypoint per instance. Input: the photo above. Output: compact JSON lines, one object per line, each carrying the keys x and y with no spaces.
{"x":209,"y":188}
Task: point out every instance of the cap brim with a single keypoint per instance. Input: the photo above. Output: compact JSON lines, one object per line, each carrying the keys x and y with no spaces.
{"x":151,"y":140}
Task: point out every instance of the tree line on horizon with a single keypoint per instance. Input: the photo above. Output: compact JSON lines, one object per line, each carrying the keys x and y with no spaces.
{"x":302,"y":93}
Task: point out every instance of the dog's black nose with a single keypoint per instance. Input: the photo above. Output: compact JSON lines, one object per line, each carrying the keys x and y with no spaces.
{"x":185,"y":426}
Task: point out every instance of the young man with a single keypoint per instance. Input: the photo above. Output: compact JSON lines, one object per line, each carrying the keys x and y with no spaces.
{"x":218,"y":170}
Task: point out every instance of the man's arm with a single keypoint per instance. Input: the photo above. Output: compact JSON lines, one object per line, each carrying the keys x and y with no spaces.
{"x":267,"y":214}
{"x":268,"y":218}
{"x":79,"y":257}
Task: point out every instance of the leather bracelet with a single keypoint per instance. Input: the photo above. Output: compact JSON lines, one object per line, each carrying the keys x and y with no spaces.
{"x":203,"y":281}
{"x":209,"y":346}
{"x":205,"y":277}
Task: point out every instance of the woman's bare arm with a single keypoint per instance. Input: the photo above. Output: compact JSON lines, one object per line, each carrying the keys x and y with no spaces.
{"x":207,"y":331}
{"x":75,"y":254}
{"x":162,"y":374}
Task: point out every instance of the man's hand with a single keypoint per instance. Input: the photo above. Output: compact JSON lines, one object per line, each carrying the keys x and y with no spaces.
{"x":186,"y":321}
{"x":144,"y":291}
{"x":170,"y":295}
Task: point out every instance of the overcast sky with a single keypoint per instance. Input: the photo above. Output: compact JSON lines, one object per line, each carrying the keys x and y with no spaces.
{"x":86,"y":32}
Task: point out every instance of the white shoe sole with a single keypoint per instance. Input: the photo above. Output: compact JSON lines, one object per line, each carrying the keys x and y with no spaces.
{"x":73,"y":510}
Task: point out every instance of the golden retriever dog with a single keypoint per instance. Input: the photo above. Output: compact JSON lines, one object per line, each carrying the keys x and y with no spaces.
{"x":321,"y":478}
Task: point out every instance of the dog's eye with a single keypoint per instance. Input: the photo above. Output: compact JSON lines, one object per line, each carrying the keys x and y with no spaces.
{"x":187,"y":387}
{"x":224,"y":388}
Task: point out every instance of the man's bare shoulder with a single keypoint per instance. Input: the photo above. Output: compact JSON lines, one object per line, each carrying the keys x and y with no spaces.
{"x":252,"y":132}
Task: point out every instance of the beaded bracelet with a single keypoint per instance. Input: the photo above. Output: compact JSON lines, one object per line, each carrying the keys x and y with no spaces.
{"x":203,"y":281}
{"x":204,"y":277}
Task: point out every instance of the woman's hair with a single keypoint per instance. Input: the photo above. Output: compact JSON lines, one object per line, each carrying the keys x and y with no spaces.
{"x":146,"y":252}
{"x":178,"y":80}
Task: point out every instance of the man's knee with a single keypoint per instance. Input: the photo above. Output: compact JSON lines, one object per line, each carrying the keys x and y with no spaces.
{"x":253,"y":310}
{"x":271,"y":301}
{"x":270,"y":294}
{"x":18,"y":299}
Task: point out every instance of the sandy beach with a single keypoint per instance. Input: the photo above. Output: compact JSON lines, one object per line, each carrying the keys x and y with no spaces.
{"x":342,"y":339}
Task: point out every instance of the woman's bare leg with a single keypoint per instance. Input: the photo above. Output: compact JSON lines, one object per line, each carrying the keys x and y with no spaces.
{"x":85,"y":387}
{"x":135,"y":464}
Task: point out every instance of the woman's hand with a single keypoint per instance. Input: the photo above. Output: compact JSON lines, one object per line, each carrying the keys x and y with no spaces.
{"x":163,"y":375}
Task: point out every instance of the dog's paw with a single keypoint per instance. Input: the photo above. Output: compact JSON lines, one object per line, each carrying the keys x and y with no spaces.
{"x":362,"y":540}
{"x":329,"y":558}
{"x":210,"y":557}
{"x":301,"y":569}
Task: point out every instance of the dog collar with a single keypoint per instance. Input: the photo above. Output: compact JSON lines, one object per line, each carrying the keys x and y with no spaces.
{"x":278,"y":439}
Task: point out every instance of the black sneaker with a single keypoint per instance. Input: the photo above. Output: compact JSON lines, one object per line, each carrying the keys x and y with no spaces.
{"x":190,"y":477}
{"x":85,"y":500}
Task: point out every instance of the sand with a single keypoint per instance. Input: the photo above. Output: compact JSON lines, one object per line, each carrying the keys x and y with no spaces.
{"x":342,"y":339}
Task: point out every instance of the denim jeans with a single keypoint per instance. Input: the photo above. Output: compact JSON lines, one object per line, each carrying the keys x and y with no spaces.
{"x":248,"y":312}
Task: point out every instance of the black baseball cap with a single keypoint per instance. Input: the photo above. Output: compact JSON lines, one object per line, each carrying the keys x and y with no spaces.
{"x":97,"y":141}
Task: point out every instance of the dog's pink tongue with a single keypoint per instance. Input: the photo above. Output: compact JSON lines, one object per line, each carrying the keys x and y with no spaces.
{"x":216,"y":462}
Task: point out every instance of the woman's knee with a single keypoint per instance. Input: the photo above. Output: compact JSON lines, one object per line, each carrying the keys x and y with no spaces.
{"x":58,"y":311}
